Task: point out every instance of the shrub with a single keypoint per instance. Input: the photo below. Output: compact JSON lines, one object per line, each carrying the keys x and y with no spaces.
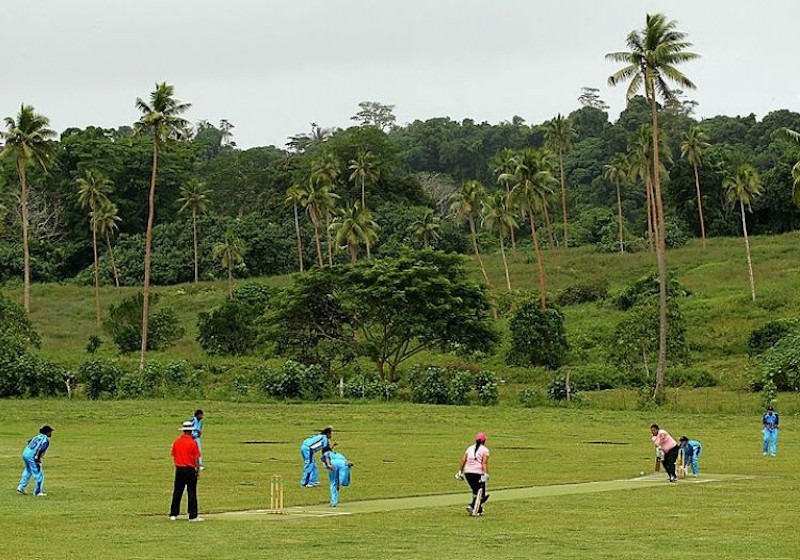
{"x":293,"y":381}
{"x":430,"y":386}
{"x":557,"y":390}
{"x":124,"y":325}
{"x":583,"y":293}
{"x":538,"y":337}
{"x":460,"y":387}
{"x":531,"y":397}
{"x":689,"y":377}
{"x":779,"y":366}
{"x":486,"y":388}
{"x":100,"y":378}
{"x":25,"y":375}
{"x":364,"y":387}
{"x":437,"y":385}
{"x":232,"y":328}
{"x":766,"y":336}
{"x":646,"y":288}
{"x":675,"y":235}
{"x":509,"y":301}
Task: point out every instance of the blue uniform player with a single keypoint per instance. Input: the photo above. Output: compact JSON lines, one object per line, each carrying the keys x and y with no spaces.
{"x":338,"y":471}
{"x":197,"y":432}
{"x":691,"y":450}
{"x":770,"y":420}
{"x":317,"y":443}
{"x":32,"y":460}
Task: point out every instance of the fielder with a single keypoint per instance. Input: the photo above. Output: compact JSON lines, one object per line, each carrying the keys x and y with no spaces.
{"x":770,"y":420}
{"x":32,"y":460}
{"x":338,"y":471}
{"x":197,"y":432}
{"x":317,"y":443}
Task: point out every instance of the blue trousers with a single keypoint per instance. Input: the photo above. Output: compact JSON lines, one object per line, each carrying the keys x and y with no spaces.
{"x":200,"y":447}
{"x":770,"y":441}
{"x":310,"y":473}
{"x":339,"y":476}
{"x":31,"y":469}
{"x":693,"y":462}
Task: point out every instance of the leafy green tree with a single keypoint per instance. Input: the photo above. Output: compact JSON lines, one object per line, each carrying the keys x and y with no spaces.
{"x":538,"y":337}
{"x":693,"y":147}
{"x":388,"y":310}
{"x":354,"y":227}
{"x":651,"y":63}
{"x":617,"y":172}
{"x":230,"y":252}
{"x":93,"y":191}
{"x":123,"y":324}
{"x":27,"y":138}
{"x":559,"y":137}
{"x":744,"y":186}
{"x":426,"y":227}
{"x":105,"y":219}
{"x":162,"y":119}
{"x":373,"y":113}
{"x":465,"y":204}
{"x":194,"y":197}
{"x":364,"y":169}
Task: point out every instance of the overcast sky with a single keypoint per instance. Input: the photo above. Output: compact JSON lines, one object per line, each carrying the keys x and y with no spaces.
{"x":272,"y":67}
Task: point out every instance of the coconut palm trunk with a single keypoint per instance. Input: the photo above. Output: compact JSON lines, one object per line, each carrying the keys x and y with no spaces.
{"x":299,"y":238}
{"x":315,"y":222}
{"x":151,"y":203}
{"x":196,"y":258}
{"x":96,"y":271}
{"x":563,"y":195}
{"x":26,"y":255}
{"x":747,"y":250}
{"x":699,"y":203}
{"x":328,"y":235}
{"x":619,"y":219}
{"x":539,"y":264}
{"x":505,"y":261}
{"x":113,"y":262}
{"x":474,"y":237}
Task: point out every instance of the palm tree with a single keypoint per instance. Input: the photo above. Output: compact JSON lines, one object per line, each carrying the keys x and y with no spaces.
{"x":744,"y":186}
{"x":161,"y":118}
{"x":318,"y":200}
{"x":27,"y":139}
{"x":465,"y":204}
{"x":650,"y":63}
{"x":559,"y":137}
{"x":531,"y":188}
{"x":231,"y":252}
{"x":497,"y":216}
{"x":105,"y":221}
{"x":93,"y":191}
{"x":425,"y":227}
{"x":353,"y":227}
{"x":692,"y":148}
{"x":194,"y":198}
{"x":364,"y":168}
{"x":505,"y":163}
{"x":294,"y":196}
{"x":329,"y":207}
{"x":617,"y":172}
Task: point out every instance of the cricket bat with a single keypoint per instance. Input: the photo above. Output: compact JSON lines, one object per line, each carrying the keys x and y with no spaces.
{"x":476,"y":507}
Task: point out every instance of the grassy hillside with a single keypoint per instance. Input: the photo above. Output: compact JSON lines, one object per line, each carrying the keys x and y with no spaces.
{"x":719,"y":312}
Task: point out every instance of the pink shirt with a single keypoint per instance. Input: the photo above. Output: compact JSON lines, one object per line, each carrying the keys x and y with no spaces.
{"x":664,"y":441}
{"x":475,"y":460}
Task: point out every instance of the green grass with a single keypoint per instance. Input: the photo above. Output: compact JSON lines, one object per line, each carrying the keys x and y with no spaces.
{"x":109,"y":480}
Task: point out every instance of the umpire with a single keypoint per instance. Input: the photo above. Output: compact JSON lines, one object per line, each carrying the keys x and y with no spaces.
{"x":186,"y":455}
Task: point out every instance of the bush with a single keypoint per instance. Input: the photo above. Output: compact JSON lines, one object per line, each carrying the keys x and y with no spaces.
{"x":232,"y":328}
{"x":676,"y":237}
{"x":100,"y":378}
{"x":25,"y":375}
{"x":779,"y":366}
{"x":437,"y":385}
{"x":293,"y":381}
{"x":531,"y":397}
{"x":509,"y":301}
{"x":765,"y":337}
{"x":647,"y":288}
{"x":161,"y":380}
{"x":124,"y":325}
{"x":430,"y":386}
{"x":364,"y":387}
{"x":557,"y":390}
{"x":538,"y":337}
{"x":583,"y":293}
{"x":486,"y":388}
{"x":689,"y":377}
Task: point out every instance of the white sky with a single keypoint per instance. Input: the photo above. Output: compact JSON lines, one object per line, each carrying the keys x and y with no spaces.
{"x":271,"y":67}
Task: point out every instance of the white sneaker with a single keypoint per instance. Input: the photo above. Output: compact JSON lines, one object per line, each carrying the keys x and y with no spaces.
{"x":196,"y":520}
{"x":23,"y":492}
{"x":173,"y":517}
{"x":202,"y":468}
{"x":40,"y":494}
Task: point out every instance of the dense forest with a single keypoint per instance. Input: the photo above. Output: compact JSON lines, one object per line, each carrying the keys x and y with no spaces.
{"x":378,"y":186}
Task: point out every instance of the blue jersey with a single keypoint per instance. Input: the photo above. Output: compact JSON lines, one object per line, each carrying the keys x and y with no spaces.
{"x":770,"y":420}
{"x":691,"y":449}
{"x":334,"y":459}
{"x":198,"y":427}
{"x":318,"y":442}
{"x":36,"y":446}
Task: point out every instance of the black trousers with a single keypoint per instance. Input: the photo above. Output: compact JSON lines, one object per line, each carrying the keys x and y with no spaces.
{"x":475,"y":484}
{"x":669,"y":461}
{"x":185,"y":477}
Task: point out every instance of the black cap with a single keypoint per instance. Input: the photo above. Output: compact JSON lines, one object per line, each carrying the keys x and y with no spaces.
{"x":684,"y":438}
{"x":770,"y":407}
{"x":45,"y":429}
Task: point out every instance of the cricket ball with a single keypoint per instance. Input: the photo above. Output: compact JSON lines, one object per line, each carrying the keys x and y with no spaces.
{"x":641,"y":473}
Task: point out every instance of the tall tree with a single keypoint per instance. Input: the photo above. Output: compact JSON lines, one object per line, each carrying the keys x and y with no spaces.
{"x":693,"y":147}
{"x":353,"y":227}
{"x":194,"y":197}
{"x":319,"y":201}
{"x":105,"y":221}
{"x":230,"y":251}
{"x":617,"y":172}
{"x":364,"y":169}
{"x":504,"y":166}
{"x":27,"y":138}
{"x":294,"y":196}
{"x":161,"y":118}
{"x":93,"y":191}
{"x":373,"y":113}
{"x":465,"y":204}
{"x":425,"y":227}
{"x":650,"y":63}
{"x":744,"y":186}
{"x":499,"y":217}
{"x":559,"y":137}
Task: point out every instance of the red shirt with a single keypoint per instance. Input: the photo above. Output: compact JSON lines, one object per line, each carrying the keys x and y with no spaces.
{"x":185,"y":451}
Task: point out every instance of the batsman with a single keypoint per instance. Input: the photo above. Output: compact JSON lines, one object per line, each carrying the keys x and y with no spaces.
{"x":475,"y":467}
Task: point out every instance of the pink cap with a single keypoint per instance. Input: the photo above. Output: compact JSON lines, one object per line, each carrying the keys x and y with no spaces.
{"x":481,"y":437}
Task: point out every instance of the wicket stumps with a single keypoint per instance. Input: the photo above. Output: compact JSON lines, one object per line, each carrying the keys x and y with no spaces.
{"x":276,"y":494}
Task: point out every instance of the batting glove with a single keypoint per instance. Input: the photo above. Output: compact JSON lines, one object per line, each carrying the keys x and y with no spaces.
{"x":459,"y":475}
{"x":484,"y":477}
